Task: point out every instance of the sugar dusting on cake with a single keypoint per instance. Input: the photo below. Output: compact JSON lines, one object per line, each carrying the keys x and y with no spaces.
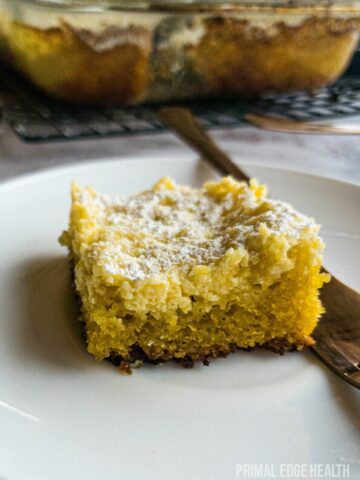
{"x":151,"y":232}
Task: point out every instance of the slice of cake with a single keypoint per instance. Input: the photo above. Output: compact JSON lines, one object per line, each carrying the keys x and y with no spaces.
{"x":192,"y":274}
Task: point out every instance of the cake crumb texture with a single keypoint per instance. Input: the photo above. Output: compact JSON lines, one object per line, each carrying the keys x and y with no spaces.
{"x":191,"y":274}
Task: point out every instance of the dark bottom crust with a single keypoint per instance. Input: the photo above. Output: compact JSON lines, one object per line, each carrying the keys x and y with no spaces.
{"x":137,"y":355}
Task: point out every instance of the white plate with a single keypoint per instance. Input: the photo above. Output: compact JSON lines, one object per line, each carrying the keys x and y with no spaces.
{"x":64,"y":416}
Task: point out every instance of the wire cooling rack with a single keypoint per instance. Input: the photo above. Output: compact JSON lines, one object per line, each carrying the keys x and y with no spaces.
{"x":37,"y":118}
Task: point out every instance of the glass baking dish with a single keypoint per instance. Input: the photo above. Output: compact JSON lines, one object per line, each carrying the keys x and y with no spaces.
{"x":135,"y":51}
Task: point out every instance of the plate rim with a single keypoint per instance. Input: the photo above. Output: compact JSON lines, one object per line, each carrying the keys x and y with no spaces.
{"x":54,"y":170}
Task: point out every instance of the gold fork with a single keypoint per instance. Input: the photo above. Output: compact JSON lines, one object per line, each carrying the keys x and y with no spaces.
{"x":337,"y":335}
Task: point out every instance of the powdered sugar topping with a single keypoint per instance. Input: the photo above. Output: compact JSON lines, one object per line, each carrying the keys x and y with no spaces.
{"x":171,"y":227}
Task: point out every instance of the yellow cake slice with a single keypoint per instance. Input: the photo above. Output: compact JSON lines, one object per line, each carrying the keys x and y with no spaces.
{"x":192,"y":274}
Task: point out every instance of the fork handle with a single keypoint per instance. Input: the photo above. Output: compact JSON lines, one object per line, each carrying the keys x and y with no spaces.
{"x":188,"y":128}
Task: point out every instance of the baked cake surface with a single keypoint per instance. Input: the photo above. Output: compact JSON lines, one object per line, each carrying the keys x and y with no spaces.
{"x":131,"y":57}
{"x":192,"y":274}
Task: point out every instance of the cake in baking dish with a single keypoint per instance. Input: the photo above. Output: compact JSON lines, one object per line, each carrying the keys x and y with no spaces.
{"x":185,"y":274}
{"x":114,"y":57}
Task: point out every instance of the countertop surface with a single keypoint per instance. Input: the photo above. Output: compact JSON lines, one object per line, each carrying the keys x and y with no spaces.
{"x":325,"y":155}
